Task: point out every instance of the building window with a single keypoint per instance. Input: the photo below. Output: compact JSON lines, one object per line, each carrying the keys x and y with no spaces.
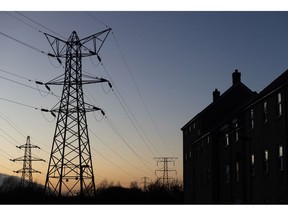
{"x":202,"y":144}
{"x":207,"y":144}
{"x":266,"y":158}
{"x":279,"y":104}
{"x":226,"y":139}
{"x":251,"y":119}
{"x":236,"y":133}
{"x":280,"y":158}
{"x":226,"y":174}
{"x":237,"y":170}
{"x":265,"y":112}
{"x":252,"y":164}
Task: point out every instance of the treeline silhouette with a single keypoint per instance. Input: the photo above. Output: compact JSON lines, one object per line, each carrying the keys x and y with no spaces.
{"x":106,"y":193}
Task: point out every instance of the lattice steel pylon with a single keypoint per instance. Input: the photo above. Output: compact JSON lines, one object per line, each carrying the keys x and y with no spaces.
{"x":70,"y":170}
{"x":27,"y":170}
{"x":165,"y":170}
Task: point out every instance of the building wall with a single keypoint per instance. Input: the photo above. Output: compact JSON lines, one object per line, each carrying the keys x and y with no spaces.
{"x":219,"y":169}
{"x":270,"y":186}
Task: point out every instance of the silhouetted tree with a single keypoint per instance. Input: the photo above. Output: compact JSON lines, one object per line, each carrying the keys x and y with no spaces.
{"x":134,"y":185}
{"x":9,"y":184}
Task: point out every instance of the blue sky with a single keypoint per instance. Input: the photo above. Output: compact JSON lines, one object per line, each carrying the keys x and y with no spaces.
{"x":175,"y":58}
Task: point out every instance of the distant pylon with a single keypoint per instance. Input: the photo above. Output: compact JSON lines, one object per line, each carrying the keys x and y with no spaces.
{"x":70,"y":170}
{"x":27,"y":179}
{"x":145,"y":181}
{"x":165,"y":170}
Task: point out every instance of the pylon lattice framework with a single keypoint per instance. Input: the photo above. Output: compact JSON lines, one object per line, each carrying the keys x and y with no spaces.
{"x":70,"y":170}
{"x":27,"y":170}
{"x":165,"y":170}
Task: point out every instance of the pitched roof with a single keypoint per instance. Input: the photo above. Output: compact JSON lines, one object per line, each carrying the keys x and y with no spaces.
{"x":279,"y":81}
{"x":229,"y":101}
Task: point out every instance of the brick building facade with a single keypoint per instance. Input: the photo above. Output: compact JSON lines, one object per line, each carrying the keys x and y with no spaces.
{"x":234,"y":151}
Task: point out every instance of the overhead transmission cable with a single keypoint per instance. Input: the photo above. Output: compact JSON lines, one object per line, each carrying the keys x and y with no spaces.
{"x":20,"y":20}
{"x":138,"y":90}
{"x":6,"y":168}
{"x":113,"y":163}
{"x":6,"y":154}
{"x":129,"y":114}
{"x":112,"y":150}
{"x":8,"y":121}
{"x":113,"y":126}
{"x":24,"y":44}
{"x":40,"y":25}
{"x":27,"y":79}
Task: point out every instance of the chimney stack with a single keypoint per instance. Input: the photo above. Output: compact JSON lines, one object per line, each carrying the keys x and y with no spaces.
{"x":236,"y":77}
{"x":216,"y":95}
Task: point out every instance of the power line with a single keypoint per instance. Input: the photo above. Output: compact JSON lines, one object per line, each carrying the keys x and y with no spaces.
{"x":6,"y":168}
{"x":16,"y":75}
{"x":13,"y":125}
{"x":138,"y":90}
{"x":20,"y":20}
{"x":19,"y":103}
{"x":111,"y":149}
{"x":27,"y":86}
{"x":40,"y":25}
{"x":97,"y":19}
{"x":141,"y":136}
{"x":127,"y":144}
{"x":9,"y":136}
{"x":112,"y":125}
{"x":130,"y":115}
{"x":113,"y":163}
{"x":5,"y":153}
{"x":24,"y":44}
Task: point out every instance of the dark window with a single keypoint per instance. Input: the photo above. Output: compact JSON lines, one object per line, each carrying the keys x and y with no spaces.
{"x":236,"y":133}
{"x":279,"y":104}
{"x":265,"y":112}
{"x":226,"y":173}
{"x":252,"y":119}
{"x":252,"y":164}
{"x":226,"y":139}
{"x":266,"y":159}
{"x":237,"y":170}
{"x":280,"y":158}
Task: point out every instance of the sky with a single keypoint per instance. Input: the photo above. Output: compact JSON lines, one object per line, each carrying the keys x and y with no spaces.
{"x":165,"y":65}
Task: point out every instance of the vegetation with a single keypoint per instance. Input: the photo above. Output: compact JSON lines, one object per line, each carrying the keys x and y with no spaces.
{"x":106,"y":193}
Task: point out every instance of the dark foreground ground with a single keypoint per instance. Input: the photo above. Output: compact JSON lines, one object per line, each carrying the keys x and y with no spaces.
{"x":154,"y":194}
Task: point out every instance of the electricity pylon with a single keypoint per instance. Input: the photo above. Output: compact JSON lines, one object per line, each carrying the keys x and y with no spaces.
{"x":70,"y":170}
{"x":26,"y":178}
{"x":165,"y":170}
{"x":145,"y":181}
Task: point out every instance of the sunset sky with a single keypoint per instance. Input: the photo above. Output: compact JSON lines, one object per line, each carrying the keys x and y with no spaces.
{"x":173,"y":59}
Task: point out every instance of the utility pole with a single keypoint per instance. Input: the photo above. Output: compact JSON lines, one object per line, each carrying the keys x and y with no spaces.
{"x":145,"y":181}
{"x":27,"y":179}
{"x":70,"y":170}
{"x":165,"y":170}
